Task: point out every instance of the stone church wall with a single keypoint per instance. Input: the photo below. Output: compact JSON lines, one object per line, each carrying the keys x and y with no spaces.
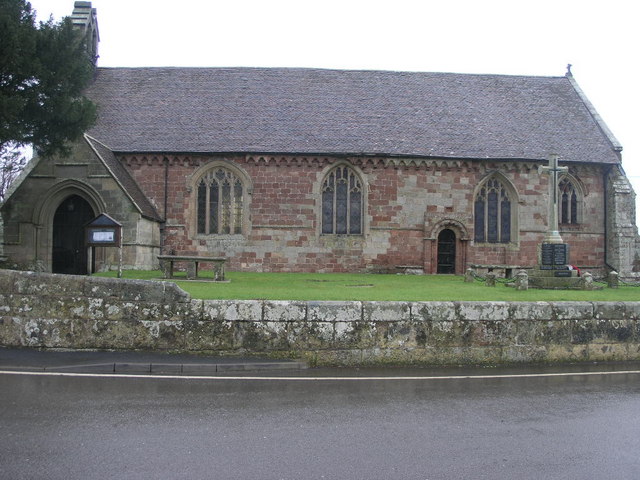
{"x":28,"y":214}
{"x":61,"y":311}
{"x":408,"y":202}
{"x":622,"y":233}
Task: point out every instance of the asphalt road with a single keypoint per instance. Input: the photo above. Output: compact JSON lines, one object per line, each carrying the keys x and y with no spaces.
{"x":560,"y":427}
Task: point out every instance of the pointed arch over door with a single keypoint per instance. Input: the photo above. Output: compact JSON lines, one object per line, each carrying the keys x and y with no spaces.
{"x":44,"y":214}
{"x":68,"y":245}
{"x":446,"y":251}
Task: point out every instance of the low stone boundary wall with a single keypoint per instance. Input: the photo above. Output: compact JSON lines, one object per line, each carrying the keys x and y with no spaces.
{"x":59,"y":311}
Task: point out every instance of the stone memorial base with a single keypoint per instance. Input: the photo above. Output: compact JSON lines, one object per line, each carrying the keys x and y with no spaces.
{"x":560,"y":279}
{"x":554,"y":272}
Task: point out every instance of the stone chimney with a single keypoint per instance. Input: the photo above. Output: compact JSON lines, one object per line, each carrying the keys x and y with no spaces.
{"x":85,"y":18}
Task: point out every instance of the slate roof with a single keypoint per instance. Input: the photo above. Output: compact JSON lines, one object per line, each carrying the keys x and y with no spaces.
{"x":313,"y":111}
{"x":126,"y":181}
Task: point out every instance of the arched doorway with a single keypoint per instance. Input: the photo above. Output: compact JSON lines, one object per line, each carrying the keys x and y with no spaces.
{"x":69,"y":254}
{"x":446,"y":251}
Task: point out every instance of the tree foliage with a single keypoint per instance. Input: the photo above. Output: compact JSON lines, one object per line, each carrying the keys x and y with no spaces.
{"x":44,"y":68}
{"x":12,"y":161}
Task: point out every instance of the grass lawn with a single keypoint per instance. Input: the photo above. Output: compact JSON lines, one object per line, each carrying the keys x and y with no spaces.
{"x":344,"y":286}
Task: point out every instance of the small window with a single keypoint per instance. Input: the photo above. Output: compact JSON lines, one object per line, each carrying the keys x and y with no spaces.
{"x":568,"y":204}
{"x":220,"y":203}
{"x":492,"y":213}
{"x":342,"y":202}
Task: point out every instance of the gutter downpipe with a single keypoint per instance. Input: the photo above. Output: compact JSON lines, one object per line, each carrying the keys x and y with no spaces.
{"x":164,"y":214}
{"x":606,"y":219}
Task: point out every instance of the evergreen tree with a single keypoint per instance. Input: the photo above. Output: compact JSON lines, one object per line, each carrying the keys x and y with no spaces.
{"x":44,"y":69}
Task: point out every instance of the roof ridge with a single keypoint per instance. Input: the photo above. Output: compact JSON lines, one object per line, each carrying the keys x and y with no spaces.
{"x":329,"y":70}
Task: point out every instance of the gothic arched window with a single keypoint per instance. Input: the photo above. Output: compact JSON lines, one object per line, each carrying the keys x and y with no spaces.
{"x":342,"y":202}
{"x":568,"y":202}
{"x":220,"y":202}
{"x":492,"y":213}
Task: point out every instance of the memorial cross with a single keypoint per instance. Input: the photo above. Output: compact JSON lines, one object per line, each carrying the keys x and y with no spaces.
{"x":553,"y":234}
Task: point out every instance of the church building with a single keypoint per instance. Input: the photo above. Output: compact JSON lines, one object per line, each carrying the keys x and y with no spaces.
{"x":313,"y":170}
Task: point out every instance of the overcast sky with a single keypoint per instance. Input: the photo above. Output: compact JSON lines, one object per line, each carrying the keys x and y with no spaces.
{"x":600,"y":39}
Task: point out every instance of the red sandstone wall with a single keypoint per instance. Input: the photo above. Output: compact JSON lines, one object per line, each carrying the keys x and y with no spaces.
{"x":408,"y":203}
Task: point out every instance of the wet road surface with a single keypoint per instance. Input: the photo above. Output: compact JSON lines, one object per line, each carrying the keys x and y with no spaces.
{"x":564,"y":427}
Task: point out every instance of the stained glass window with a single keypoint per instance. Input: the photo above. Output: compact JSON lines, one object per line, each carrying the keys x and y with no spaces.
{"x":492,"y":213}
{"x":220,"y":203}
{"x":568,"y":204}
{"x":342,"y":202}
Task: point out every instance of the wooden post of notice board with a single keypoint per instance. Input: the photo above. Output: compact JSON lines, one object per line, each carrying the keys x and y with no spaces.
{"x":103,"y":231}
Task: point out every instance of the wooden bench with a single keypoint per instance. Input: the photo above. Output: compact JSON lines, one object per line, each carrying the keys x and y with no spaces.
{"x":193,"y":266}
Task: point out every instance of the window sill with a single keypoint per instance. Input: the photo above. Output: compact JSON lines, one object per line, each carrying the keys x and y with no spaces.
{"x":342,"y":235}
{"x":493,"y":243}
{"x":221,"y":236}
{"x":330,"y":240}
{"x":569,"y":227}
{"x":496,"y":244}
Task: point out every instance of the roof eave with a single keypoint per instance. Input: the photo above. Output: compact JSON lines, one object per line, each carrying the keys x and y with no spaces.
{"x":89,"y":139}
{"x":165,"y":153}
{"x":617,"y":146}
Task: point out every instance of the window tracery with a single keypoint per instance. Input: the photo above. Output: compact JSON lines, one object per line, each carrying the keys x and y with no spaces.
{"x":569,"y":202}
{"x":342,"y":202}
{"x":220,"y":202}
{"x":492,"y":213}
